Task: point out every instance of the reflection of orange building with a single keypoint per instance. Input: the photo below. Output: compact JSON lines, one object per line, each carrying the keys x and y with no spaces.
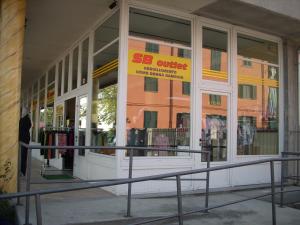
{"x":168,"y":101}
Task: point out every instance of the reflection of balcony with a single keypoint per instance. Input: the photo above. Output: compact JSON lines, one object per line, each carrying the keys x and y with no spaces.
{"x":158,"y":137}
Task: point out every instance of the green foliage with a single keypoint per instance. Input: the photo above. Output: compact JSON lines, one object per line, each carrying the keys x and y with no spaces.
{"x":107,"y":105}
{"x":7,"y":212}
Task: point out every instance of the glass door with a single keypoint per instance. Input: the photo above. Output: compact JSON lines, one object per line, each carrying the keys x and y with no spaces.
{"x":215,"y":136}
{"x":80,"y":131}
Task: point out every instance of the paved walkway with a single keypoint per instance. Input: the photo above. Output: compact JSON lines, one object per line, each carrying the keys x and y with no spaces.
{"x":98,"y":207}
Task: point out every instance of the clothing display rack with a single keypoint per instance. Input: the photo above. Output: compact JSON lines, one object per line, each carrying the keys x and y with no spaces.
{"x":62,"y":136}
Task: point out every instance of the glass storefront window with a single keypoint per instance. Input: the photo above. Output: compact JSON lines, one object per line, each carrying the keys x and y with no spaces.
{"x":82,"y":123}
{"x":84,"y":61}
{"x":104,"y":106}
{"x":258,"y":93}
{"x":106,"y":32}
{"x":42,"y":82}
{"x":50,"y":105}
{"x":59,"y":116}
{"x":33,"y":117}
{"x":214,"y":55}
{"x":159,"y":27}
{"x":60,"y":71}
{"x":66,"y":74}
{"x":75,"y":68}
{"x":158,"y":87}
{"x":41,"y":115}
{"x":51,"y":75}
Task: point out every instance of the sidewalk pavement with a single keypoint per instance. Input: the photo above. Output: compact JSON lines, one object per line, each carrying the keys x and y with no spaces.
{"x":98,"y":207}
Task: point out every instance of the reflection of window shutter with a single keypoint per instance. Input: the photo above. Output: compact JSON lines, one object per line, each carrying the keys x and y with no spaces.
{"x":151,"y":84}
{"x":214,"y":99}
{"x":186,"y":90}
{"x":247,"y":91}
{"x":151,"y":47}
{"x":215,"y":60}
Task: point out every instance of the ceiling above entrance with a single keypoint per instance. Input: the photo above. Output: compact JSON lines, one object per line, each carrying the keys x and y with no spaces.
{"x":52,"y":27}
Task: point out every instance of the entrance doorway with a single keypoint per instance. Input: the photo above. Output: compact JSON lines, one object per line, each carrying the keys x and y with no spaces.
{"x":215,"y":133}
{"x":69,"y":124}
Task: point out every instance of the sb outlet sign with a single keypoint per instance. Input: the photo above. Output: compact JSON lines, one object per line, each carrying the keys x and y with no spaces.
{"x":158,"y":66}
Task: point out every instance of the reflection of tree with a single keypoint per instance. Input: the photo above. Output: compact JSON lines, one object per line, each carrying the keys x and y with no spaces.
{"x":82,"y":110}
{"x":107,"y":105}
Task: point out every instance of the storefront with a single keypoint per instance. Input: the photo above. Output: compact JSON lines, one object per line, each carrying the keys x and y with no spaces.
{"x":153,"y":77}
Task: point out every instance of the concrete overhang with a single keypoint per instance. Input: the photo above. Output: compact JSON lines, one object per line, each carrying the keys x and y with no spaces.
{"x":255,"y":16}
{"x":52,"y":26}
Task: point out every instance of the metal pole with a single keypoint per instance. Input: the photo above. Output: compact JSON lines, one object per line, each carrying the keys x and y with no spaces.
{"x":297,"y":172}
{"x":38,"y":209}
{"x":207,"y":182}
{"x":19,"y":174}
{"x":273,"y":193}
{"x":179,"y":200}
{"x":28,"y":174}
{"x":281,"y":183}
{"x":129,"y":184}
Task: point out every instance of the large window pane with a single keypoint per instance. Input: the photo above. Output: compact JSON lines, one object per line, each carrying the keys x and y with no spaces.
{"x":257,"y":49}
{"x":42,"y":82}
{"x":159,"y":70}
{"x":159,"y":27}
{"x":258,"y":93}
{"x":82,"y":123}
{"x":104,"y":106}
{"x":59,"y":78}
{"x":33,"y":117}
{"x":51,"y":75}
{"x":50,"y":105}
{"x":75,"y":68}
{"x":158,"y":101}
{"x":84,"y":61}
{"x":66,"y":74}
{"x":214,"y":55}
{"x":41,"y":115}
{"x":106,"y":32}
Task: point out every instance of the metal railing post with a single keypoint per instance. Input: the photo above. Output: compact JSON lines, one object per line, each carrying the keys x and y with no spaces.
{"x":179,"y":200}
{"x":282,"y":181}
{"x":129,"y":184}
{"x":28,"y":175}
{"x":19,"y":173}
{"x":297,"y":161}
{"x":38,"y":209}
{"x":273,"y":193}
{"x":207,"y":182}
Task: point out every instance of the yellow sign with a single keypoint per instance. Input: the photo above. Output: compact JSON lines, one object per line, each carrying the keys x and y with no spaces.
{"x":158,"y":66}
{"x":50,"y":96}
{"x":59,"y":110}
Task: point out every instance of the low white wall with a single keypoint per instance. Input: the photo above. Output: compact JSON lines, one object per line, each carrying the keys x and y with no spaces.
{"x":95,"y":166}
{"x":146,"y":166}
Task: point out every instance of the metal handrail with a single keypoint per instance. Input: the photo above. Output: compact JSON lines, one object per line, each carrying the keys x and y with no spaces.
{"x":180,"y":214}
{"x":284,"y":175}
{"x":122,"y":148}
{"x":178,"y":175}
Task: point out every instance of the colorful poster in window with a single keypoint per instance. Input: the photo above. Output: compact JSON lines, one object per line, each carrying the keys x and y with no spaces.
{"x":158,"y":66}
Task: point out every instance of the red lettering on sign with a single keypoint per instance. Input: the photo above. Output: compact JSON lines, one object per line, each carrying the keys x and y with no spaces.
{"x":172,"y":64}
{"x":137,"y":58}
{"x":147,"y":59}
{"x":144,"y":59}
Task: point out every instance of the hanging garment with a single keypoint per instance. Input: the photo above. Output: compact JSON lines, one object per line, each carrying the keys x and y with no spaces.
{"x":62,"y":141}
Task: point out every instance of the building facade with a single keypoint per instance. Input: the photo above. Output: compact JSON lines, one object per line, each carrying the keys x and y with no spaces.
{"x":151,"y":74}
